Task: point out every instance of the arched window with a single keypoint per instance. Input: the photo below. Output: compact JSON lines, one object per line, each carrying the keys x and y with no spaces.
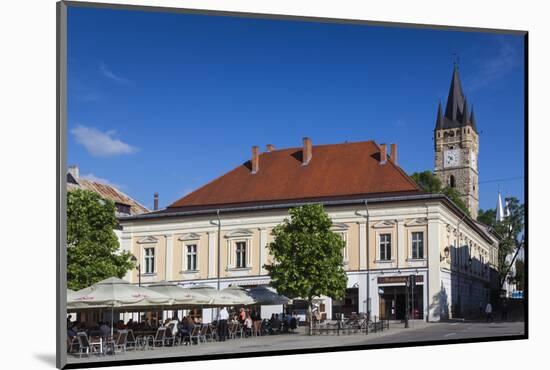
{"x":452,"y":181}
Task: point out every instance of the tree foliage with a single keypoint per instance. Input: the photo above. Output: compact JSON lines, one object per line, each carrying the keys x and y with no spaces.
{"x":510,"y":230}
{"x":307,"y":256}
{"x":92,"y":245}
{"x":487,"y":217}
{"x":520,"y":275}
{"x":430,"y":183}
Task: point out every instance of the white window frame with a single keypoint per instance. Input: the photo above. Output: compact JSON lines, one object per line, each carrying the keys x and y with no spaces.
{"x":244,"y":261}
{"x":342,"y":230}
{"x":237,"y":236}
{"x":386,"y":243}
{"x":148,"y":260}
{"x":414,"y":242}
{"x":194,"y":254}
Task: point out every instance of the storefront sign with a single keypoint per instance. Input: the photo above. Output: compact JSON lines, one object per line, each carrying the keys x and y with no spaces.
{"x":398,"y":279}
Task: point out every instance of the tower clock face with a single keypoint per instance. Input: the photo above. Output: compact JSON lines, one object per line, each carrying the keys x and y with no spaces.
{"x":451,"y":158}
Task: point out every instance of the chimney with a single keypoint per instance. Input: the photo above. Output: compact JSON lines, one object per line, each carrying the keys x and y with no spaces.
{"x":383,"y":154}
{"x":156,"y":202}
{"x":73,"y":170}
{"x":270,"y":147}
{"x":306,"y":151}
{"x":393,"y":154}
{"x":255,"y":160}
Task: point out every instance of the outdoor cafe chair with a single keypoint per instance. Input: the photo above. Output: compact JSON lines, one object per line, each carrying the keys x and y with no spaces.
{"x":195,"y":333}
{"x":84,"y":345}
{"x":119,"y":343}
{"x":158,"y":338}
{"x":210,"y":332}
{"x":232,"y":329}
{"x":134,"y":342}
{"x":203,"y":333}
{"x":170,"y":338}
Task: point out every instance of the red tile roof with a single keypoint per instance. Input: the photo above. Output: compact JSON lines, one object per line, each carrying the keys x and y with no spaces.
{"x":335,"y":171}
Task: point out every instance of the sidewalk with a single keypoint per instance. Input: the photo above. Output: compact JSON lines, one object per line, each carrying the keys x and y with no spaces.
{"x":298,"y":340}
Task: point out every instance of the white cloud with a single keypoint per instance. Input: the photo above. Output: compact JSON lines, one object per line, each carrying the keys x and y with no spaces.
{"x":497,"y":67}
{"x":101,"y":180}
{"x":106,"y":72}
{"x":101,"y":144}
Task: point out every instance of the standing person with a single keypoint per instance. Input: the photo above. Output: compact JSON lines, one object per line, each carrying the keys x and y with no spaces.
{"x":223,"y":315}
{"x":489,"y":312}
{"x":242,"y":315}
{"x":256,"y":321}
{"x":248,"y":325}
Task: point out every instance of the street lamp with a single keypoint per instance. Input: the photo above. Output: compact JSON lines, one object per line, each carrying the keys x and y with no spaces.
{"x":446,"y":252}
{"x":138,"y":266}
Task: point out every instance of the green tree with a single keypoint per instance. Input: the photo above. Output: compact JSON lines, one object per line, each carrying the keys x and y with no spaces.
{"x":509,"y":230}
{"x":430,"y":183}
{"x":307,"y":257}
{"x":520,"y":274}
{"x":487,"y":217}
{"x":92,"y":246}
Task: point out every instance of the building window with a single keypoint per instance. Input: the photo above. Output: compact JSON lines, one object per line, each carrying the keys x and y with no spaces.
{"x":452,"y":181}
{"x":417,"y":245}
{"x":149,"y":260}
{"x":191,"y":257}
{"x":385,"y":247}
{"x":240,"y":249}
{"x":344,"y":237}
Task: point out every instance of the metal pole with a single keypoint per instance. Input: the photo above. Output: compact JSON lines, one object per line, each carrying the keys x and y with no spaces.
{"x":368,"y":267}
{"x":219,"y":245}
{"x":139,"y":274}
{"x":413,"y":286}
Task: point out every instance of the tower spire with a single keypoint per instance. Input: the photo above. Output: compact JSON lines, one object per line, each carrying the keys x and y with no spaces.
{"x":455,"y":101}
{"x":465,"y":112}
{"x":439,"y":118}
{"x":473,"y":120}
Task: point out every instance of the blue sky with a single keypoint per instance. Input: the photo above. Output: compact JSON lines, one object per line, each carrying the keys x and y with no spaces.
{"x":167,"y":102}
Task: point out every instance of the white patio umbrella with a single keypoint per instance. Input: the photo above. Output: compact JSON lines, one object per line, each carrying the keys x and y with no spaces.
{"x":219,"y":298}
{"x":182,"y":297}
{"x":116,"y":293}
{"x":264,"y":295}
{"x":240,"y":294}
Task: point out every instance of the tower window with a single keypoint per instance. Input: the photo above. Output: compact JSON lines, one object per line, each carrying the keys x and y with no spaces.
{"x":452,"y":181}
{"x":452,"y":133}
{"x":439,"y":134}
{"x":468,"y":130}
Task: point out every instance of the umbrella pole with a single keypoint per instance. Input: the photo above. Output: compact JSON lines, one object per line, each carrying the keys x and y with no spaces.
{"x":112,"y":321}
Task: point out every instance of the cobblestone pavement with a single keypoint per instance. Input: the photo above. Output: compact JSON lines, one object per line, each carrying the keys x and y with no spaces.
{"x":417,"y":333}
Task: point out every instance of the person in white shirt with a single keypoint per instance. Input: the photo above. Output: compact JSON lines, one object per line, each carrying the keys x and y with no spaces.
{"x":248,"y":325}
{"x":223,"y":315}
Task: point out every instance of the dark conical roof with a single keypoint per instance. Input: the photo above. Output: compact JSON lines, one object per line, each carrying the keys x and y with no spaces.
{"x":464,"y":118}
{"x":473,"y":120}
{"x":439,"y":118}
{"x":455,"y":101}
{"x":456,"y":111}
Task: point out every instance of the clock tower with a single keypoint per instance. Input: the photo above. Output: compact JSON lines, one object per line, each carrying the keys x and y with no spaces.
{"x":457,"y":146}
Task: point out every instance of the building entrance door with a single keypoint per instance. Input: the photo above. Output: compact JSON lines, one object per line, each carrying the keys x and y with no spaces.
{"x":393,"y":303}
